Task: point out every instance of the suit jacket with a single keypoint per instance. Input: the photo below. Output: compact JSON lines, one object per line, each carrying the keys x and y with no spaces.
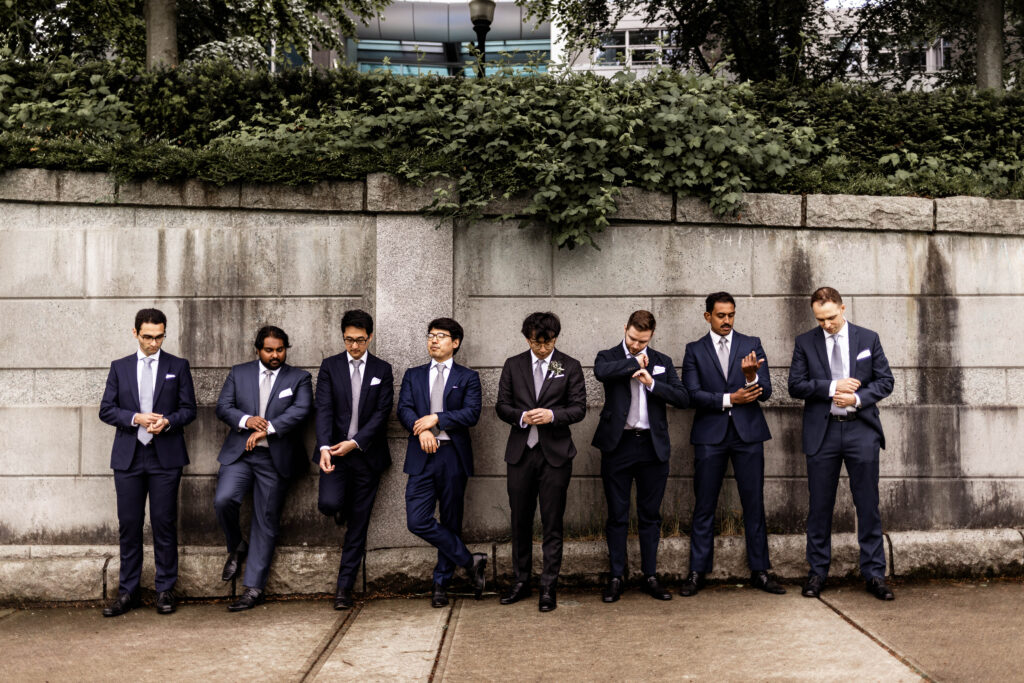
{"x":810,"y":378}
{"x":615,"y":370}
{"x":174,"y":397}
{"x":702,"y":375}
{"x":334,"y":408}
{"x":565,"y":395}
{"x":291,"y":399}
{"x":462,"y":402}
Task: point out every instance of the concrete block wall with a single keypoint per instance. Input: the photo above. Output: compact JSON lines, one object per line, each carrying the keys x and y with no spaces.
{"x":941,"y":281}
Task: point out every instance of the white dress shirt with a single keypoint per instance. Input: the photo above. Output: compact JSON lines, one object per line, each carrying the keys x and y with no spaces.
{"x":441,"y":435}
{"x":643,"y":422}
{"x":544,"y":367}
{"x":843,"y":337}
{"x":259,"y":380}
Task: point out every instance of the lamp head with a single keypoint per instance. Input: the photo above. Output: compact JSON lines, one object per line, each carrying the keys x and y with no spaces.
{"x":481,"y":11}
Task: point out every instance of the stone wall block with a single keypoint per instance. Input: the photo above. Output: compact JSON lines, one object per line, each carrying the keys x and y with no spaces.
{"x":78,"y":187}
{"x":39,"y":441}
{"x":513,"y":205}
{"x":185,"y":193}
{"x":388,"y":194}
{"x":637,"y":204}
{"x":39,"y":263}
{"x":29,"y":185}
{"x":323,"y":196}
{"x":500,"y":258}
{"x":72,"y":578}
{"x":958,"y":553}
{"x":781,"y":210}
{"x":979,"y":214}
{"x":869,"y":213}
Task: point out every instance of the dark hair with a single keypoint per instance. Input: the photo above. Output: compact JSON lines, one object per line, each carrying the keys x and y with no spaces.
{"x":271,"y":331}
{"x":641,"y":321}
{"x":153,"y":316}
{"x":542,"y":326}
{"x":450,"y":326}
{"x":718,"y":298}
{"x":823,"y":294}
{"x":359,"y":319}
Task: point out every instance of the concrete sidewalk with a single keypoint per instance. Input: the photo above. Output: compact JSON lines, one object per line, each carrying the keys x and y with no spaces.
{"x":934,"y":630}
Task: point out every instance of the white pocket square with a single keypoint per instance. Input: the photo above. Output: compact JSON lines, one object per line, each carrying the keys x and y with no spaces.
{"x":658,"y":369}
{"x":169,"y":376}
{"x":285,"y":393}
{"x":864,"y":354}
{"x":374,"y":381}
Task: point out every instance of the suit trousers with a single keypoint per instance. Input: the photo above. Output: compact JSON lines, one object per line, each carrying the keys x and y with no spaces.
{"x":442,"y":483}
{"x":709,"y":464}
{"x":854,"y":444}
{"x":532,"y":477}
{"x":254,"y":470}
{"x":145,"y":477}
{"x":350,"y":489}
{"x":633,"y":459}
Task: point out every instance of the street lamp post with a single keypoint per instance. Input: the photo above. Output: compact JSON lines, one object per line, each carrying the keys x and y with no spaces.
{"x":481,"y":12}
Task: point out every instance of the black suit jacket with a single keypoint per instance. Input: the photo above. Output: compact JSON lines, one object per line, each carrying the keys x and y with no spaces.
{"x":615,"y":370}
{"x":334,"y":408}
{"x":565,"y":394}
{"x":810,"y":377}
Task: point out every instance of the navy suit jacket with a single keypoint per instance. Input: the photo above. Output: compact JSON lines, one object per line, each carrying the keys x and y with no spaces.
{"x":615,"y":370}
{"x":334,"y":408}
{"x":174,"y":397}
{"x":810,"y":378}
{"x":462,"y":402}
{"x":291,"y":400}
{"x":702,"y":375}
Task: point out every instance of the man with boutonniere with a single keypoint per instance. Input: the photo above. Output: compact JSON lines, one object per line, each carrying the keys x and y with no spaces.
{"x":541,"y":392}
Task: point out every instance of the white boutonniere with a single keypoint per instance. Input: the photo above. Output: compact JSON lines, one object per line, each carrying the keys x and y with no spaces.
{"x":555,"y":369}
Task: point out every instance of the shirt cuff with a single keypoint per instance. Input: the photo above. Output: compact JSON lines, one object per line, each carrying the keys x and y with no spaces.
{"x":324,"y":448}
{"x":750,"y":383}
{"x":241,"y":423}
{"x":356,"y":443}
{"x":858,"y":400}
{"x":552,"y":416}
{"x":832,"y":388}
{"x":270,"y":429}
{"x":522,"y":421}
{"x":651,"y":388}
{"x":726,"y":401}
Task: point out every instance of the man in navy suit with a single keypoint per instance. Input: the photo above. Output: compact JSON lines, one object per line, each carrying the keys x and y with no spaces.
{"x":149,"y":398}
{"x":841,"y":373}
{"x":632,"y":435}
{"x":354,"y":394}
{"x":438,"y":403}
{"x":265,"y":402}
{"x":726,"y":375}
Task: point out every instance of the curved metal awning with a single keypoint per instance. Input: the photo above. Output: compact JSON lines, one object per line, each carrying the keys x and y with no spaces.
{"x":441,"y":22}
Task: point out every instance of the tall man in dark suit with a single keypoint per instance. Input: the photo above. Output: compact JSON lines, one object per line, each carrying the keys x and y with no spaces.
{"x":726,"y":375}
{"x":633,"y":438}
{"x":354,"y":394}
{"x":841,"y":373}
{"x":265,"y":402}
{"x":438,"y":403}
{"x":541,"y":392}
{"x":149,"y":398}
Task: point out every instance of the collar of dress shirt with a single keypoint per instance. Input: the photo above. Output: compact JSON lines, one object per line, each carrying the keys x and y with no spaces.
{"x":350,"y":358}
{"x":716,"y":338}
{"x":273,"y":373}
{"x":447,"y":364}
{"x":156,"y":356}
{"x":544,"y":362}
{"x":843,"y":332}
{"x":626,"y":349}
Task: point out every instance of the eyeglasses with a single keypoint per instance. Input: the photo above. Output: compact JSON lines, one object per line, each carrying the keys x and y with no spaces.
{"x":439,"y":336}
{"x":151,"y":338}
{"x":355,"y":341}
{"x":545,"y":344}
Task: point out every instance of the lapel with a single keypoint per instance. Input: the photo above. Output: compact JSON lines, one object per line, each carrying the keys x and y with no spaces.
{"x":364,"y":384}
{"x":450,"y":382}
{"x":161,"y":370}
{"x":346,"y":385}
{"x":253,"y":374}
{"x":555,"y":356}
{"x":424,"y":388}
{"x":709,"y":347}
{"x":854,"y":346}
{"x":734,"y":353}
{"x":131,"y":366}
{"x":524,"y":366}
{"x":818,"y":341}
{"x":280,"y":379}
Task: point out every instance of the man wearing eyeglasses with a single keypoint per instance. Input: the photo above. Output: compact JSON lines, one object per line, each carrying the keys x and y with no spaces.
{"x":541,"y":392}
{"x":149,"y":398}
{"x":354,"y":394}
{"x":438,"y":403}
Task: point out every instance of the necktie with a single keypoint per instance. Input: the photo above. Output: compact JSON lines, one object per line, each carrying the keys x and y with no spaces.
{"x":723,"y":355}
{"x":357,"y":386}
{"x":146,"y":397}
{"x":437,"y":397}
{"x":633,"y":417}
{"x":265,"y":386}
{"x":836,"y":366}
{"x":538,"y":383}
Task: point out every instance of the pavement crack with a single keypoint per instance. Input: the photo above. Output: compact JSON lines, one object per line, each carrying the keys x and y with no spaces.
{"x":445,"y":646}
{"x":328,"y":645}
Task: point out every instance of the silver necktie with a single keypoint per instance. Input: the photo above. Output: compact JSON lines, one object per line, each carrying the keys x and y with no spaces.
{"x":357,"y":385}
{"x":633,"y":417}
{"x":437,"y":398}
{"x":146,"y":397}
{"x":538,"y":383}
{"x":836,"y":366}
{"x":265,"y":387}
{"x":723,"y":356}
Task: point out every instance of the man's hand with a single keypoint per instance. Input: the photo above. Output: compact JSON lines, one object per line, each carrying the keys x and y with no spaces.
{"x":644,"y":376}
{"x":325,"y":460}
{"x":845,"y":400}
{"x":427,"y":442}
{"x":160,"y":425}
{"x":147,"y":420}
{"x":745,"y":395}
{"x":750,"y":365}
{"x":538,"y":416}
{"x":642,"y":360}
{"x":250,"y":443}
{"x":257,"y":424}
{"x":847,"y":386}
{"x":425,"y":423}
{"x":343,"y":448}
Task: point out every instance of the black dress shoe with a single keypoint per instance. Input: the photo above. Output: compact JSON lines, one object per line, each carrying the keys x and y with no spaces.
{"x":124,"y":602}
{"x":764,"y":581}
{"x":477,"y":573}
{"x":165,"y":603}
{"x":247,"y":600}
{"x":613,"y":591}
{"x":655,"y":589}
{"x":879,"y":589}
{"x":234,"y":563}
{"x":520,"y":590}
{"x":693,"y":584}
{"x":440,"y":596}
{"x":812,"y":589}
{"x":343,"y":599}
{"x":548,"y":602}
{"x":339,"y":518}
